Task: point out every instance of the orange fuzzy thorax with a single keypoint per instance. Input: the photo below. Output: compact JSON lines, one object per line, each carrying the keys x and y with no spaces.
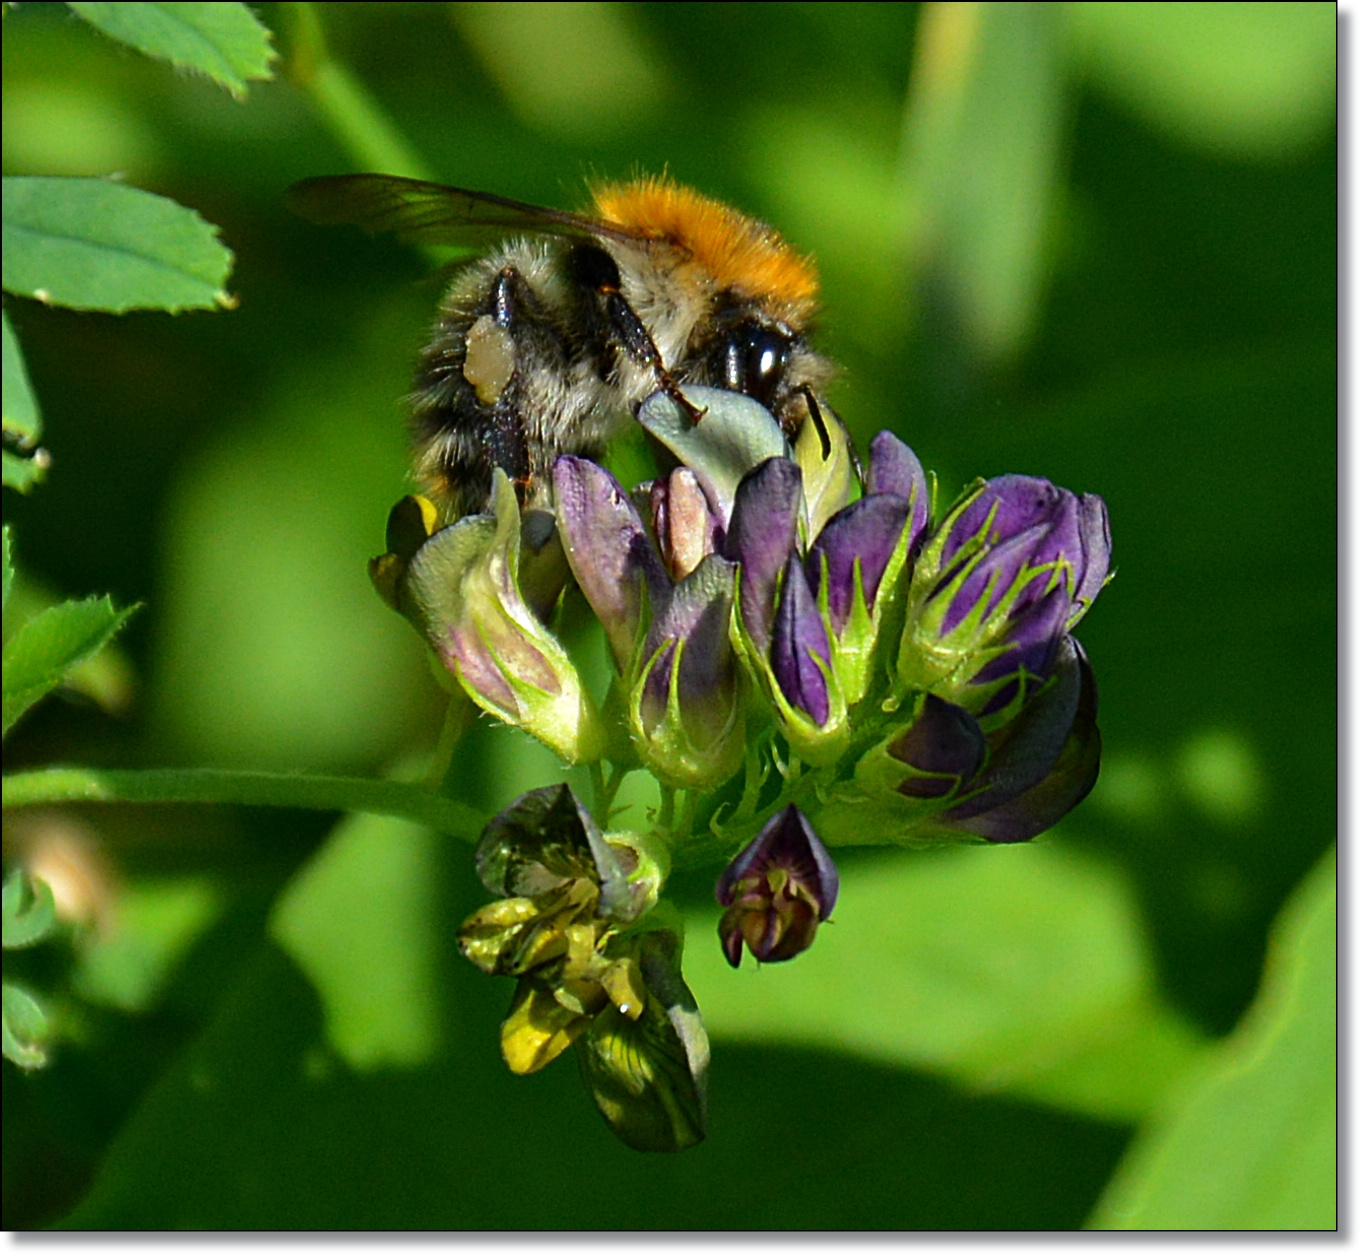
{"x":736,"y":251}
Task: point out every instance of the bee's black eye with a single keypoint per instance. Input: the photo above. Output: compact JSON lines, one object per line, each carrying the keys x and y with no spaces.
{"x":594,"y":268}
{"x":753,"y":360}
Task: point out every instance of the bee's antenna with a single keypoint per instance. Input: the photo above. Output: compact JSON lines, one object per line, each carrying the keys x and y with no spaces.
{"x":816,"y":414}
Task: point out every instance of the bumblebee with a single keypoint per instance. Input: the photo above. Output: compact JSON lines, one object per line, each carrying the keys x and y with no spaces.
{"x":549,"y":343}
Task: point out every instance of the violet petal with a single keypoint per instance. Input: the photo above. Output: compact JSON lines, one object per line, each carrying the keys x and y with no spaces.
{"x":1095,"y":532}
{"x":945,"y":740}
{"x":608,"y":550}
{"x":797,"y":636}
{"x":761,"y":536}
{"x":1066,"y":784}
{"x":869,"y":530}
{"x":894,"y":468}
{"x":1025,"y":751}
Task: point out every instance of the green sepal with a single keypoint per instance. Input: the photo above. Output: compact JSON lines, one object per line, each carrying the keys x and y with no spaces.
{"x":946,"y":663}
{"x":668,"y":750}
{"x":461,"y":590}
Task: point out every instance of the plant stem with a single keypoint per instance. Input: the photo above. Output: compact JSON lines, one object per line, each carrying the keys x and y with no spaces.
{"x":612,"y":787}
{"x":458,"y":715}
{"x":248,"y":789}
{"x":599,"y":807}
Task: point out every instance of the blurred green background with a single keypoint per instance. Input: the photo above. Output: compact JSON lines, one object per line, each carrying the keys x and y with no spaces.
{"x":1094,"y":242}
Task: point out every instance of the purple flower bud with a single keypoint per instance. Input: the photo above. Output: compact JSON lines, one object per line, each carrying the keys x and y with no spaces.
{"x":945,"y":743}
{"x":1042,"y":763}
{"x":895,"y":469}
{"x":1023,"y":526}
{"x":608,"y":549}
{"x":1011,"y":570}
{"x":761,"y":536}
{"x":867,"y":531}
{"x":798,"y":637}
{"x":684,"y":717}
{"x":777,"y":891}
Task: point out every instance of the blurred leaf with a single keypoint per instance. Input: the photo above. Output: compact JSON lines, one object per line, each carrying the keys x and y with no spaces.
{"x":1250,"y":1141}
{"x":22,"y":473}
{"x":92,"y":244}
{"x":1241,"y":79}
{"x":981,"y":149}
{"x":154,"y":925}
{"x":7,"y":565}
{"x":29,"y":913}
{"x":25,"y":1028}
{"x":310,"y":669}
{"x":1018,"y":969}
{"x":551,"y":59}
{"x":40,"y":654}
{"x":22,"y":422}
{"x":360,"y":922}
{"x":225,"y":42}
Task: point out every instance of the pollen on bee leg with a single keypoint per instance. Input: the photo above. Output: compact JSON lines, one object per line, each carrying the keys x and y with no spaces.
{"x":489,"y":359}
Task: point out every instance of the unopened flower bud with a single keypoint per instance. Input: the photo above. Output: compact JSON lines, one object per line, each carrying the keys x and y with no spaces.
{"x":685,"y":710}
{"x":942,"y":776}
{"x":944,"y":748}
{"x":1011,"y":569}
{"x":777,"y":891}
{"x":670,"y":641}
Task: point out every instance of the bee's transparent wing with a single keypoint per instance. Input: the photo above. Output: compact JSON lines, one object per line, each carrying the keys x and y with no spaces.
{"x":431,"y":213}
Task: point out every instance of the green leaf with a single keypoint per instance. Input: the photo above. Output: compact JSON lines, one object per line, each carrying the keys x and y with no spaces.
{"x":224,"y":42}
{"x":28,"y":912}
{"x":96,"y":245}
{"x":1250,"y":1141}
{"x":1019,"y":969}
{"x":25,"y":1028}
{"x":22,"y":422}
{"x":52,"y":642}
{"x":106,"y":678}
